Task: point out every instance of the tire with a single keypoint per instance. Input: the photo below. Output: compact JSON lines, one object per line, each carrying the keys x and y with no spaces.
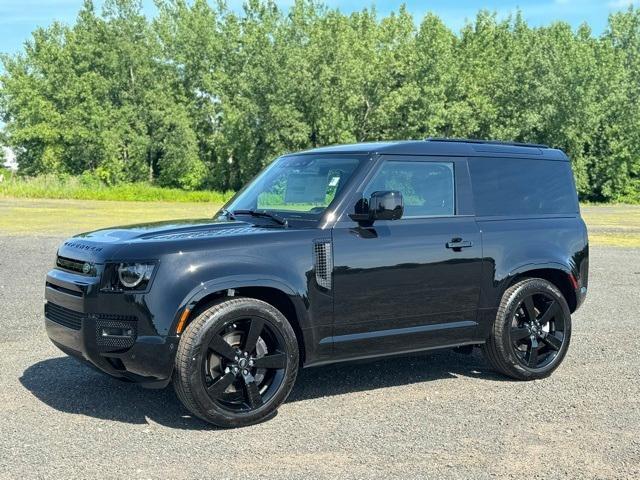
{"x":532,"y":331}
{"x":214,"y":378}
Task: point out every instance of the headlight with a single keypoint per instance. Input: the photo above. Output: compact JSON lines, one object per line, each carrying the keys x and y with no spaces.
{"x":127,"y":276}
{"x":132,"y":275}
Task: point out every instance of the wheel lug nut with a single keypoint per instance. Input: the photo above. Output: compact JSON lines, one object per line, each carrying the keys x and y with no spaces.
{"x":245,"y":372}
{"x":246,"y":354}
{"x":251,"y":363}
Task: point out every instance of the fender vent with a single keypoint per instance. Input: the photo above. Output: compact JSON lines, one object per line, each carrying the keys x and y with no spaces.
{"x":323,"y":262}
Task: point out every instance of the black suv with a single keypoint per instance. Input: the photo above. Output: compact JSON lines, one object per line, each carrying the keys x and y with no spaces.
{"x":333,"y":254}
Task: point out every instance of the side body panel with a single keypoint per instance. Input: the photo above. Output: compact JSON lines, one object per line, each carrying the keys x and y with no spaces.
{"x":515,"y":246}
{"x":397,"y":287}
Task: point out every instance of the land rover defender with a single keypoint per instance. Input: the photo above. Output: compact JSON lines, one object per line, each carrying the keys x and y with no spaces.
{"x":333,"y":254}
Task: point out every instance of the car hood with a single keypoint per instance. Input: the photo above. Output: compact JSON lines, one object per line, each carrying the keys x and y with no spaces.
{"x":103,"y":244}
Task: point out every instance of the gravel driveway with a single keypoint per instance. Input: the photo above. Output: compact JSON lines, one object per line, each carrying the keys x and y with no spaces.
{"x":440,"y":415}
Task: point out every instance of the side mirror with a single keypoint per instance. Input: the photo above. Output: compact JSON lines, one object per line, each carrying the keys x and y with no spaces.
{"x":384,"y":205}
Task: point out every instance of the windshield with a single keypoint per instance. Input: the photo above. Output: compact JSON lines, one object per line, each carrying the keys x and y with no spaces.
{"x":300,"y":186}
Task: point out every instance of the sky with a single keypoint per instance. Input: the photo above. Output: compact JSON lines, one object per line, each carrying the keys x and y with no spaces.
{"x":18,"y":18}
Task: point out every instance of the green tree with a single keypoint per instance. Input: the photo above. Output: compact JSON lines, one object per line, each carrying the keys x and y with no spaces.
{"x":204,"y":97}
{"x":94,"y":97}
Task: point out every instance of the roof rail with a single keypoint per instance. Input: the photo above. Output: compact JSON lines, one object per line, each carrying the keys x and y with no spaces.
{"x":489,"y":142}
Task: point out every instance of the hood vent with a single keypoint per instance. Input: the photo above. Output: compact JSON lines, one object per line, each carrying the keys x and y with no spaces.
{"x":323,"y":262}
{"x":207,"y":233}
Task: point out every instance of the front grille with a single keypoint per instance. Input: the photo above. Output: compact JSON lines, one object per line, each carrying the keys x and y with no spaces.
{"x":75,"y":266}
{"x":63,"y":316}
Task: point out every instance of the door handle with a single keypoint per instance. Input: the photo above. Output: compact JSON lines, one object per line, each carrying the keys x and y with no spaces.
{"x":457,"y":244}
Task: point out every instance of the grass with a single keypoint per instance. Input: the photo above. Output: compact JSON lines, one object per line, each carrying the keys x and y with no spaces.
{"x":88,"y":188}
{"x":613,"y":225}
{"x":614,"y":240}
{"x":66,"y":217}
{"x":609,"y":225}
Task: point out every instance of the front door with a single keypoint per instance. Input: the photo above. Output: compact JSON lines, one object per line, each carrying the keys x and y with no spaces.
{"x":413,"y":283}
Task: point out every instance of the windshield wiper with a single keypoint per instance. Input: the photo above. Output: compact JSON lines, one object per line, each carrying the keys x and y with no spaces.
{"x":255,"y":213}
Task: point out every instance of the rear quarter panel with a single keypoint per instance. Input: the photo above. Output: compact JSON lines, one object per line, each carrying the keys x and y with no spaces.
{"x":514,"y":246}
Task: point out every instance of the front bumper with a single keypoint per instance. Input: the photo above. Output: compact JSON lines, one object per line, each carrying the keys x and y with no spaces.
{"x":114,"y":332}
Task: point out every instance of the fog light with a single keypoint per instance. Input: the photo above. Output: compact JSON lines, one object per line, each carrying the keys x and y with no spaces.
{"x":117,"y":332}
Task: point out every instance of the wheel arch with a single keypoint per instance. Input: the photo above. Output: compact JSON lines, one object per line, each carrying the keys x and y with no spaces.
{"x":277,"y":294}
{"x":555,"y":273}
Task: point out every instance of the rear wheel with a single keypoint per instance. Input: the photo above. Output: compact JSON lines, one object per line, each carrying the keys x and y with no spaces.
{"x":532,"y":330}
{"x":236,"y":363}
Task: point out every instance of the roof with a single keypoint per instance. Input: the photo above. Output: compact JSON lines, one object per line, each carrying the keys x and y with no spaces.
{"x":448,"y":147}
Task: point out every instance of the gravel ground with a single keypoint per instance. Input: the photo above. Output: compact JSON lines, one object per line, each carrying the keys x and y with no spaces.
{"x":441,"y":415}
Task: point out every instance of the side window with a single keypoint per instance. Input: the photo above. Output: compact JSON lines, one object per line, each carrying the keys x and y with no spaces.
{"x":508,"y":186}
{"x":427,"y":187}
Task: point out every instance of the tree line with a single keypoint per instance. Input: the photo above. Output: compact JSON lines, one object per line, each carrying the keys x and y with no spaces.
{"x":201,"y":96}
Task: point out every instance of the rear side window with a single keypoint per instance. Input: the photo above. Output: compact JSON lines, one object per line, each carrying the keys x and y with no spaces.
{"x":509,"y":186}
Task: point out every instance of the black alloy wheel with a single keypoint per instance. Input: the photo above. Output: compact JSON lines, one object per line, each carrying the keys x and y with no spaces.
{"x":537,"y":330}
{"x":245,"y":364}
{"x":236,"y":362}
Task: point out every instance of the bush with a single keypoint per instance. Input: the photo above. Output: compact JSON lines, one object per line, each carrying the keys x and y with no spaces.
{"x":87,"y":187}
{"x":6,"y":174}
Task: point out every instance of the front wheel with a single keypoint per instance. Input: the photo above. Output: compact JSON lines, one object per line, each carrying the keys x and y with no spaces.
{"x":236,"y":363}
{"x":532,"y":330}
